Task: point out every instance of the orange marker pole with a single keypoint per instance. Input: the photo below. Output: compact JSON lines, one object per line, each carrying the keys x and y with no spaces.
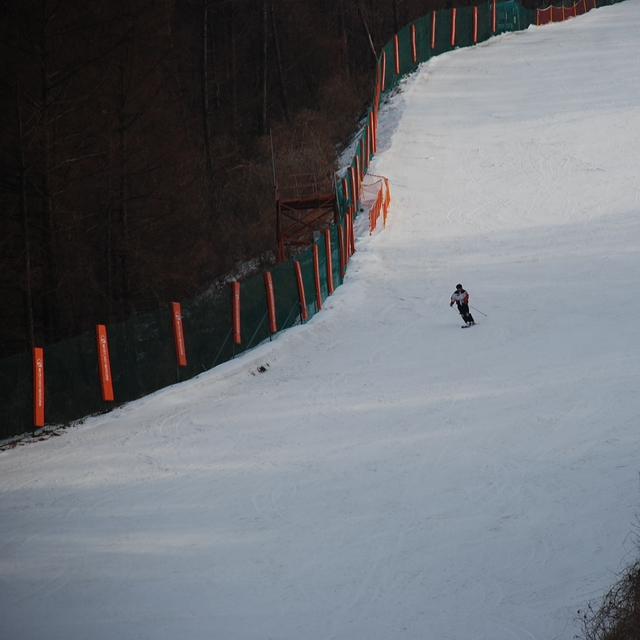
{"x":316,"y":274}
{"x":374,"y":130}
{"x":237,"y":336}
{"x":354,"y":187}
{"x":396,"y":49}
{"x":352,"y":233}
{"x":341,"y":251}
{"x":475,"y":25}
{"x":453,"y":26}
{"x":104,"y":363}
{"x":178,"y":334}
{"x":38,"y":387}
{"x":303,"y":298}
{"x":327,"y":242}
{"x":414,"y":48}
{"x":271,"y":301}
{"x":384,"y":71}
{"x":433,"y":29}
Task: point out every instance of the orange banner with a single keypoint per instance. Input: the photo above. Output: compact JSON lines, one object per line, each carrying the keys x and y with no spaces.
{"x":178,"y":334}
{"x":38,"y":387}
{"x":104,"y":363}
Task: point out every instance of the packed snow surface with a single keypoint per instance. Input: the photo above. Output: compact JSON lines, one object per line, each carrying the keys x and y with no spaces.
{"x":389,"y":475}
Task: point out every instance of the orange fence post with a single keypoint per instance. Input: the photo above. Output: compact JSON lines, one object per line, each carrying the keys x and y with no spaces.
{"x":237,"y":336}
{"x":374,"y":131}
{"x":350,"y":234}
{"x":493,"y":16}
{"x":453,"y":26}
{"x":414,"y":48}
{"x":341,"y":251}
{"x":327,"y":244}
{"x":354,"y":188}
{"x":316,"y":274}
{"x":475,"y":25}
{"x":38,"y":386}
{"x":396,"y":49}
{"x":433,"y":29}
{"x":271,"y":301}
{"x":303,"y":299}
{"x":104,"y":363}
{"x":367,"y":145}
{"x":387,"y":200}
{"x":371,"y":220}
{"x":178,"y":334}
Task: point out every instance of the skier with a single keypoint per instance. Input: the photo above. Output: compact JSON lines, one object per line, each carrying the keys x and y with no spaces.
{"x":461,"y":298}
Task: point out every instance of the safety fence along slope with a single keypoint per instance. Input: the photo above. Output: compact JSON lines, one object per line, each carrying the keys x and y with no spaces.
{"x":121,"y":362}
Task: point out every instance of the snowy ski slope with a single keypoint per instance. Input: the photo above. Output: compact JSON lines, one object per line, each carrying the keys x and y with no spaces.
{"x":389,"y":475}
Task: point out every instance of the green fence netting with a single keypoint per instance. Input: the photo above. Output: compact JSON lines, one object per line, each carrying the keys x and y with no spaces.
{"x":142,"y":350}
{"x":16,"y":395}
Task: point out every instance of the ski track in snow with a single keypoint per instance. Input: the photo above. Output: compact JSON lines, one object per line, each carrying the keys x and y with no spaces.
{"x":389,"y":476}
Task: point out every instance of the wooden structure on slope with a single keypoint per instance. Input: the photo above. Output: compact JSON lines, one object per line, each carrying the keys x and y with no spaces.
{"x":303,"y":206}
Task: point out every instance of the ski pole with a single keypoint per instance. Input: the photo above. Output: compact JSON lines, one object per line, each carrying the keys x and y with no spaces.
{"x":478,"y":310}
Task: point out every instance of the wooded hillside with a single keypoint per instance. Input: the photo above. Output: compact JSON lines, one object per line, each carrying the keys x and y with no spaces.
{"x":135,"y":142}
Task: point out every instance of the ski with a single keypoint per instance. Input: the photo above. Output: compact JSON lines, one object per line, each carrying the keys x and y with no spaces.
{"x":466,"y":326}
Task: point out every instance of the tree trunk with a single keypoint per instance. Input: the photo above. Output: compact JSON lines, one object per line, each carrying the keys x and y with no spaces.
{"x":345,"y":38}
{"x":234,"y":66}
{"x":121,"y":266}
{"x":265,"y":67}
{"x":205,"y":100}
{"x":50,"y":278}
{"x":27,"y":292}
{"x":366,"y":28}
{"x":283,"y":91}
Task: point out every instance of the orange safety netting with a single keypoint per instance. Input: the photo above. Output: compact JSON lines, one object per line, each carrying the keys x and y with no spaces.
{"x":375,"y":196}
{"x":558,"y":14}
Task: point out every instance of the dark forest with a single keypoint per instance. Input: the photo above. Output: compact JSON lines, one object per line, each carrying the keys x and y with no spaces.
{"x":136,"y":142}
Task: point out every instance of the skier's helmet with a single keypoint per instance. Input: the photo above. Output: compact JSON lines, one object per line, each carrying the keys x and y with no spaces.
{"x":458,"y":287}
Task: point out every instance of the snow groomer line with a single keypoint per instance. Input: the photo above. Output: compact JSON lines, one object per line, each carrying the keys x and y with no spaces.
{"x":125,"y":361}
